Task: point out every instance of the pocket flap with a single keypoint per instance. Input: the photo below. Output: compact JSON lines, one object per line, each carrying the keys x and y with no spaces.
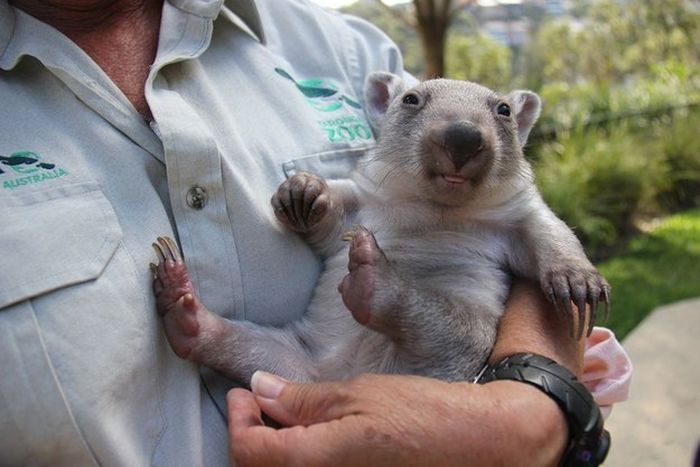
{"x":53,"y":239}
{"x":330,"y":164}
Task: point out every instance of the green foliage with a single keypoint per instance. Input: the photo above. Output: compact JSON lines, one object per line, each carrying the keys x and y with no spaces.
{"x":657,"y":268}
{"x":682,"y":155}
{"x":667,"y":85}
{"x":602,"y":180}
{"x":615,"y":41}
{"x":634,"y":35}
{"x":481,"y":59}
{"x":622,"y":57}
{"x":598,"y":181}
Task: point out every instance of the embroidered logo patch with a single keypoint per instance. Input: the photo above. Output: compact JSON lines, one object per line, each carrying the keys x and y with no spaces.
{"x":321,"y":94}
{"x":325,"y":96}
{"x":30,"y":168}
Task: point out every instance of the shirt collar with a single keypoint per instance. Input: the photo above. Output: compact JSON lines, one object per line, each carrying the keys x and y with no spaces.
{"x":7,"y":27}
{"x":242,"y":13}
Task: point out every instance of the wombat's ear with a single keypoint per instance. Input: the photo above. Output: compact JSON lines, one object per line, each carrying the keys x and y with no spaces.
{"x":526,"y":108}
{"x":380,"y":89}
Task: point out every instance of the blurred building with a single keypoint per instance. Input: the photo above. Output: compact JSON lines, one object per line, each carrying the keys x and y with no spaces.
{"x":511,"y":22}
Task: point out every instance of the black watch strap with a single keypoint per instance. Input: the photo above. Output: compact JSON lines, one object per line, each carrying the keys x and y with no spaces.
{"x":590,"y":442}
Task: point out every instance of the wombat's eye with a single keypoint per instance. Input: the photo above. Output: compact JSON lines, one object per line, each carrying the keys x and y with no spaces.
{"x":410,"y":99}
{"x":503,"y":109}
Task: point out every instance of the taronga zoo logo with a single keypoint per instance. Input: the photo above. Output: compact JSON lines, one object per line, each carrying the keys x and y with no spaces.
{"x":326,"y":96}
{"x":30,"y":168}
{"x":320,"y":93}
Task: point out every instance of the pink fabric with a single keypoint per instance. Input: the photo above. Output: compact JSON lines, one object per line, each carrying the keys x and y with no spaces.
{"x":607,"y":370}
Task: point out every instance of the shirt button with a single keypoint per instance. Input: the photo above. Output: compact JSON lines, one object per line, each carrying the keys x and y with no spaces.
{"x":197,"y":197}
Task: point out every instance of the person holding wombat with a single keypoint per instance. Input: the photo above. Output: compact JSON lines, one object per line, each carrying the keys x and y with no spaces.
{"x":451,"y":208}
{"x":179,"y":119}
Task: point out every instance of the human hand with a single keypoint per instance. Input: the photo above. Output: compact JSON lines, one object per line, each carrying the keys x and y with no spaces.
{"x":379,"y":420}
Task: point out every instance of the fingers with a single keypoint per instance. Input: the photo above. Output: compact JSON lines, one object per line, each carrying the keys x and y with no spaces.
{"x":254,"y":444}
{"x":250,"y":439}
{"x":243,"y":411}
{"x":299,"y":404}
{"x":361,"y":422}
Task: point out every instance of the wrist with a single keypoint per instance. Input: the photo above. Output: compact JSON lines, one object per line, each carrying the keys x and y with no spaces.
{"x":533,"y":429}
{"x":588,"y":441}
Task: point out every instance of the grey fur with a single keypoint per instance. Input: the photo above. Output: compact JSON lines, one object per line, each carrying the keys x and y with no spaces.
{"x":448,"y":247}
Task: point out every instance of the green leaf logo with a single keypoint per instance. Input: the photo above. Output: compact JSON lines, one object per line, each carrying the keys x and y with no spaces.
{"x":321,"y":94}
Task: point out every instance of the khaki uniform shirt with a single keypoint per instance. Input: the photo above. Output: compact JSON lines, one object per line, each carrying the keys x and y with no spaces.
{"x":242,"y":95}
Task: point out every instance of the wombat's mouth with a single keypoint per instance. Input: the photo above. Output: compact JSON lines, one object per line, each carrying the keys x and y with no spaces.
{"x":457,"y":179}
{"x":452,"y":186}
{"x":443,"y":171}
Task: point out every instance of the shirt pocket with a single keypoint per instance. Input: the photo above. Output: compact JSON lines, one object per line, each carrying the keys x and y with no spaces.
{"x":45,"y":249}
{"x":77,"y":334}
{"x":331,"y":165}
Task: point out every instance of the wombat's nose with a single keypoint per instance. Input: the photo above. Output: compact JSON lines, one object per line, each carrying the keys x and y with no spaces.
{"x":462,"y":141}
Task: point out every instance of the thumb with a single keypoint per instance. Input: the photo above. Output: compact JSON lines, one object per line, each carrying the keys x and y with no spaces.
{"x":300,"y":403}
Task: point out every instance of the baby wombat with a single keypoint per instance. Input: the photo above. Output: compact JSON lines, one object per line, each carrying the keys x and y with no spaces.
{"x":446,"y":212}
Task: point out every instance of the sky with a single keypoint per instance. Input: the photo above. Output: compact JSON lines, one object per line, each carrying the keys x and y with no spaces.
{"x":339,"y":3}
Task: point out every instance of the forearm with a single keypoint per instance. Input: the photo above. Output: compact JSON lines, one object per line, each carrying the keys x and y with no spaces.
{"x":532,"y":426}
{"x":531,"y":324}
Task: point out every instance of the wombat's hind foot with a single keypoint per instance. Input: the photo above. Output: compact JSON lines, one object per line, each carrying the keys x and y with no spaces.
{"x":189,"y":326}
{"x":366,"y":262}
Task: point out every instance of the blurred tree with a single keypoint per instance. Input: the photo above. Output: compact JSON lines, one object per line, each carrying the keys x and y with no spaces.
{"x":618,"y":57}
{"x":616,"y":41}
{"x":643,"y":33}
{"x":432,"y":20}
{"x":395,"y":27}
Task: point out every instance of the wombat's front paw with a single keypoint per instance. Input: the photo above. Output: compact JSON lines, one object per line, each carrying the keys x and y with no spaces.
{"x":301,"y":202}
{"x":187,"y":321}
{"x":580,"y":285}
{"x":366,"y":262}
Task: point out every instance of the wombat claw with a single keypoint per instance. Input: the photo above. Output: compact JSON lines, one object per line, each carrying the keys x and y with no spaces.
{"x":563,"y":289}
{"x":166,"y":249}
{"x":301,"y":202}
{"x":350,"y":234}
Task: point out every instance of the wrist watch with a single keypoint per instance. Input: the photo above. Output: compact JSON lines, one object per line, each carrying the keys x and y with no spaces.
{"x":589,"y":442}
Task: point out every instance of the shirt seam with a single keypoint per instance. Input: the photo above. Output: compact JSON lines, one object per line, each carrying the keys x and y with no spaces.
{"x":59,"y":388}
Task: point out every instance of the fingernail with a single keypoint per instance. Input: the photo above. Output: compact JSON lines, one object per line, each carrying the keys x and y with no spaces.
{"x":266,"y":385}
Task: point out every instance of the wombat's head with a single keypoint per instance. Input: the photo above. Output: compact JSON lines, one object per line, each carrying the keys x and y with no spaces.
{"x":448,"y":141}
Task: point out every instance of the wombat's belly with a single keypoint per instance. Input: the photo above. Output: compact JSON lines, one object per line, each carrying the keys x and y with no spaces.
{"x":449,"y":263}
